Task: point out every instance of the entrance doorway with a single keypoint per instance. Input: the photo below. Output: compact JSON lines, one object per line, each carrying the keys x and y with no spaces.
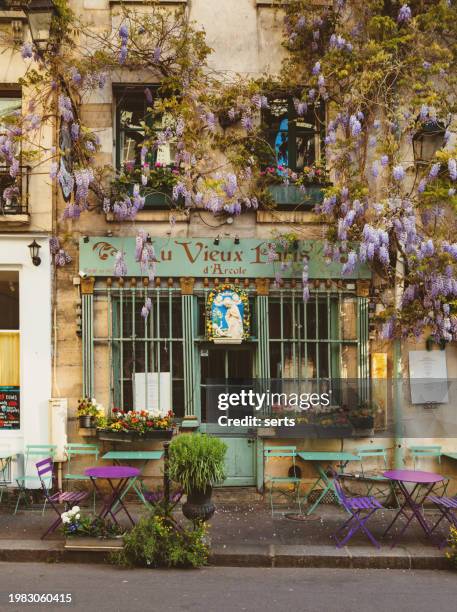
{"x":234,"y":364}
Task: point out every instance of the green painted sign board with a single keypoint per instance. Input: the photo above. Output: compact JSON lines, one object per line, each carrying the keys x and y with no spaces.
{"x":200,"y":257}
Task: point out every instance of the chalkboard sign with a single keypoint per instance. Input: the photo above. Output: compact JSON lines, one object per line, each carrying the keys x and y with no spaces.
{"x":9,"y":408}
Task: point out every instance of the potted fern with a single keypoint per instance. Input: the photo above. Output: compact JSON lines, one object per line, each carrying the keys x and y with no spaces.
{"x":197,"y":464}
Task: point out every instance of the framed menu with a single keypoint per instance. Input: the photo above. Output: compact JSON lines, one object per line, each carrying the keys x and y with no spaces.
{"x":428,"y":377}
{"x":9,"y":408}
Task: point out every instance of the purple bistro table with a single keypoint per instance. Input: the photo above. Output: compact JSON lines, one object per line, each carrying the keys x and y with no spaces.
{"x":413,"y":501}
{"x":123,"y":474}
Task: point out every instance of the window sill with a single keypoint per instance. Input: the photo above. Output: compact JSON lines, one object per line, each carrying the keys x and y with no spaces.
{"x":142,"y":2}
{"x":6,"y":219}
{"x":152,"y":215}
{"x":287,"y":216}
{"x":279,"y":3}
{"x":7,"y":16}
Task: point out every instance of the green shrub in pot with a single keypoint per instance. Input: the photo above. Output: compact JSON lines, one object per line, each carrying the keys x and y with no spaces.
{"x":197,"y":464}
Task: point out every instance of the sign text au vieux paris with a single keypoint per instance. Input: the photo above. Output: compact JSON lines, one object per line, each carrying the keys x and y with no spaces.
{"x":202,"y":257}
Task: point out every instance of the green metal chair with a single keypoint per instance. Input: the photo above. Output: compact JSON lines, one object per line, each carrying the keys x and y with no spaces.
{"x":429,"y":452}
{"x":33,"y":453}
{"x":281,"y":452}
{"x":78,"y":450}
{"x":377,"y":484}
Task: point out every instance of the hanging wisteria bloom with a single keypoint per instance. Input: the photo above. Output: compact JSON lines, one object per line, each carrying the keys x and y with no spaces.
{"x":404,"y":14}
{"x":398,"y":173}
{"x":27,"y":50}
{"x":247,"y":122}
{"x":305,"y":279}
{"x":452,"y":167}
{"x":62,"y":258}
{"x":384,"y":160}
{"x":300,"y":107}
{"x":316,"y":68}
{"x":120,"y":267}
{"x":434,"y":170}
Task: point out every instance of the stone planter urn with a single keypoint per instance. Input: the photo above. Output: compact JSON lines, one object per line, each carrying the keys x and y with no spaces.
{"x":199,"y":507}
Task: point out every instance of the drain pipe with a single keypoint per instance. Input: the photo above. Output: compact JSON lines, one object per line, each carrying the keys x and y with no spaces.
{"x":397,"y":399}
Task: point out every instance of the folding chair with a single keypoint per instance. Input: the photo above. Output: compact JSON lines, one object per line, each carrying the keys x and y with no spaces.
{"x":68,"y":498}
{"x":360,"y":510}
{"x":78,"y":450}
{"x":430,"y":452}
{"x":33,"y":452}
{"x":282,"y":452}
{"x":377,"y":484}
{"x":447,"y":507}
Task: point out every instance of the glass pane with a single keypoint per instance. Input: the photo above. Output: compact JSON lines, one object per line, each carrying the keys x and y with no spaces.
{"x":277,"y":132}
{"x":274,"y":319}
{"x":9,"y":359}
{"x":9,"y":300}
{"x":8,"y":106}
{"x":348,"y":319}
{"x":130,"y":147}
{"x":305,"y":150}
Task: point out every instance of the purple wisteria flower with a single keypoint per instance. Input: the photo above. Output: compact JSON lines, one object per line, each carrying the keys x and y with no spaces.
{"x":305,"y":279}
{"x":75,"y":75}
{"x":272,"y":255}
{"x":434,"y":170}
{"x":404,"y":14}
{"x":120,"y":267}
{"x":424,"y":111}
{"x":144,"y":312}
{"x":124,"y":31}
{"x":230,"y":185}
{"x":375,"y":169}
{"x":316,"y":68}
{"x":61,"y":258}
{"x":259,"y":101}
{"x":300,"y":107}
{"x":27,"y":50}
{"x":422,"y":185}
{"x":398,"y":173}
{"x":452,"y":167}
{"x":74,"y":131}
{"x":451,"y":192}
{"x":65,"y":108}
{"x":148,"y":94}
{"x":247,"y":122}
{"x":355,"y":125}
{"x":384,"y":160}
{"x":54,"y":245}
{"x":156,"y":55}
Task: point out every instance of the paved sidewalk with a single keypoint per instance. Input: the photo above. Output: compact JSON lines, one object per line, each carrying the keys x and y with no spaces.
{"x":247,"y":535}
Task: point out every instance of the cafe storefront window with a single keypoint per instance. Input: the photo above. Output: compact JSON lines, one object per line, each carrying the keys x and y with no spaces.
{"x":9,"y":350}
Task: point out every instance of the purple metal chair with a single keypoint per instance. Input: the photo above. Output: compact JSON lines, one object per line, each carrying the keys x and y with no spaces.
{"x":447,"y":507}
{"x":360,"y":509}
{"x":69,"y":498}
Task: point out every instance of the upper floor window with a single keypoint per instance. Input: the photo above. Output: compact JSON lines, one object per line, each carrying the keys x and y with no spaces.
{"x":294,"y":141}
{"x":136,"y":118}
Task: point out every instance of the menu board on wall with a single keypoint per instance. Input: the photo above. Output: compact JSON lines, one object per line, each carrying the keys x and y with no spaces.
{"x":9,"y":408}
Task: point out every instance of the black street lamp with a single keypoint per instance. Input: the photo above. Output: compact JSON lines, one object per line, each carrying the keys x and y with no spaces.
{"x":39,"y":16}
{"x":34,"y":251}
{"x":428,"y":139}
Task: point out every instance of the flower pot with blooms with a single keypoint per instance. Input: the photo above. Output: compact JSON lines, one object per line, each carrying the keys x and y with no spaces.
{"x":75,"y":524}
{"x":136,"y":425}
{"x":88,"y":411}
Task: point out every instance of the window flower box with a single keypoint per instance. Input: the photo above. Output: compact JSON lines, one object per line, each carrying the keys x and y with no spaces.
{"x":134,"y":436}
{"x":292,"y":196}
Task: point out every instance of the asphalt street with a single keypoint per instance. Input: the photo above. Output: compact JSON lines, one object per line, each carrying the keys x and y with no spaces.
{"x":97,"y":588}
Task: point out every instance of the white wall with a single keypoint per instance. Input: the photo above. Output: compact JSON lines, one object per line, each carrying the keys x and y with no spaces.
{"x":35,"y":341}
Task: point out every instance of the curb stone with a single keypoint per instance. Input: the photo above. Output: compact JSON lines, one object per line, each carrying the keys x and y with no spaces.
{"x":273,"y":555}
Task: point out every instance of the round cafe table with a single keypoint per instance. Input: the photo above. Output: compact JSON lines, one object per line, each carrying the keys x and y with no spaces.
{"x":118,"y":477}
{"x":412,"y":507}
